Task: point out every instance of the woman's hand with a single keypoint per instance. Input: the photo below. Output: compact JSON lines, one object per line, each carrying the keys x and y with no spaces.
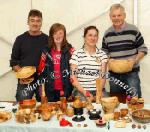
{"x":88,"y":95}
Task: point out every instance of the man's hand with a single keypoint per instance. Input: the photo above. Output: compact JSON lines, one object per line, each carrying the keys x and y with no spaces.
{"x":23,"y":81}
{"x":26,"y":80}
{"x":16,"y":68}
{"x":133,"y":61}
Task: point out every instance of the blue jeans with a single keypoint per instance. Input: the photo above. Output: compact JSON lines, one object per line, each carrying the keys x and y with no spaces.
{"x":128,"y":83}
{"x":23,"y":93}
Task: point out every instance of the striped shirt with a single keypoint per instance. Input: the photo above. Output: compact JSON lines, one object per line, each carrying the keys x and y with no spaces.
{"x":123,"y":44}
{"x":88,"y":67}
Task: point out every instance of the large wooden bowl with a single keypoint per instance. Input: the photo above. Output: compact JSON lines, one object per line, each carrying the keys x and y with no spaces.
{"x":26,"y":72}
{"x":141,"y":116}
{"x":4,"y":116}
{"x":120,"y":66}
{"x":28,"y":103}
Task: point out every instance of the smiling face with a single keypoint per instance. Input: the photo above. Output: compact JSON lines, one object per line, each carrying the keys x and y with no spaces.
{"x":35,"y":24}
{"x":58,"y":36}
{"x":117,"y":17}
{"x":91,"y":37}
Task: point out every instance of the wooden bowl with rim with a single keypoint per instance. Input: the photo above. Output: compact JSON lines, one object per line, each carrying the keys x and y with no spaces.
{"x":27,"y":103}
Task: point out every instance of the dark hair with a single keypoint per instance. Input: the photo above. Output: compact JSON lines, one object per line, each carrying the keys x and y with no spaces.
{"x":89,"y":28}
{"x":35,"y":12}
{"x":54,"y":28}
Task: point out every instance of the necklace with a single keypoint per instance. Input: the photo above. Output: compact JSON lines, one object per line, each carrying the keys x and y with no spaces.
{"x":97,"y":59}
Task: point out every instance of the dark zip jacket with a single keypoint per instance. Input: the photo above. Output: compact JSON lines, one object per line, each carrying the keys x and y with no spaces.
{"x":46,"y":70}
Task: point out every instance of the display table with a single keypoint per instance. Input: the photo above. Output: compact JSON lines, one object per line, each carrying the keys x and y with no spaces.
{"x":53,"y":125}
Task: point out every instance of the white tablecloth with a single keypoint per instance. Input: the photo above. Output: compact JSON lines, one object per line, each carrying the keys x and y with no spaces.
{"x":53,"y":125}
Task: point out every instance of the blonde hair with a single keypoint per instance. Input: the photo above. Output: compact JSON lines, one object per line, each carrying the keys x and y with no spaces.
{"x":117,"y":6}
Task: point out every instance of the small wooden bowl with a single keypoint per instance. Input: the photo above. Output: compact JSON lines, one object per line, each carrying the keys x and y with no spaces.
{"x":70,"y":112}
{"x":28,"y":103}
{"x":100,"y":124}
{"x":123,"y":112}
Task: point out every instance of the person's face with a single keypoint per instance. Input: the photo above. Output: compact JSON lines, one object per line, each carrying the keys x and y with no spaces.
{"x":117,"y":17}
{"x":91,"y":37}
{"x":34,"y":23}
{"x":58,"y":36}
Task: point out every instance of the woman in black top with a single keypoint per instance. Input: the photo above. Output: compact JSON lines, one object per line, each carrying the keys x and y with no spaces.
{"x":54,"y":64}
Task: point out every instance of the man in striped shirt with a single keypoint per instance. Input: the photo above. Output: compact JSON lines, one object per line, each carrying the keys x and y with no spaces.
{"x":87,"y":64}
{"x":124,"y":41}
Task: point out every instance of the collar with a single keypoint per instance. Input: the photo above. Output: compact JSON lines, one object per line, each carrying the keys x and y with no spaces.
{"x":66,"y":49}
{"x":97,"y":51}
{"x":122,"y":27}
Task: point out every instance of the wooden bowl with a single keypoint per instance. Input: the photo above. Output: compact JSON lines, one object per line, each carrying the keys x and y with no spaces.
{"x":136,"y":106}
{"x":123,"y":112}
{"x":120,"y":66}
{"x":141,"y":116}
{"x":70,"y":112}
{"x":27,"y":80}
{"x":77,"y":103}
{"x":28,"y":103}
{"x":4,"y":116}
{"x":109,"y":104}
{"x":26,"y":72}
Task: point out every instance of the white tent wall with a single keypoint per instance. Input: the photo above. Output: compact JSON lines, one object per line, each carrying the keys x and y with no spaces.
{"x":144,"y":26}
{"x":13,"y":21}
{"x":75,"y":15}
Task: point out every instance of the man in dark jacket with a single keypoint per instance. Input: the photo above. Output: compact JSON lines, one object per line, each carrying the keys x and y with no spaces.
{"x":26,"y":51}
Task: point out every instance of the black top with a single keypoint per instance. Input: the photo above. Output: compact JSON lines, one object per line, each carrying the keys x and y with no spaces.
{"x":27,"y":49}
{"x":48,"y":71}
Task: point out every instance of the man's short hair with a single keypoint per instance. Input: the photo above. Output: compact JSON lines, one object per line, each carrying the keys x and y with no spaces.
{"x":117,"y":6}
{"x":35,"y":12}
